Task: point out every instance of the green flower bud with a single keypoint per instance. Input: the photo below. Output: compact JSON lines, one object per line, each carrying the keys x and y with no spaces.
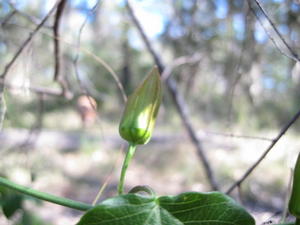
{"x":141,"y":110}
{"x":294,"y":204}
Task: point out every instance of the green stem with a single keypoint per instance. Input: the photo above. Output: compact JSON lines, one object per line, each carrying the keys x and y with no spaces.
{"x":143,"y":188}
{"x":129,"y":155}
{"x":45,"y":196}
{"x":297,"y":221}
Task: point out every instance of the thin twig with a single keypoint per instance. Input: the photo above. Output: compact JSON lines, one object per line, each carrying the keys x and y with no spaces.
{"x":238,"y":136}
{"x":94,"y":57}
{"x":57,"y":53}
{"x":180,"y":61}
{"x":178,"y":101}
{"x":38,"y":90}
{"x":76,"y":58}
{"x":109,"y":69}
{"x":268,"y":33}
{"x":7,"y":17}
{"x":238,"y":74}
{"x":293,"y":55}
{"x":265,"y":153}
{"x":17,"y":54}
{"x":82,"y":87}
{"x":98,"y":59}
{"x":30,"y":18}
{"x":26,"y":42}
{"x":145,"y":39}
{"x":56,"y":25}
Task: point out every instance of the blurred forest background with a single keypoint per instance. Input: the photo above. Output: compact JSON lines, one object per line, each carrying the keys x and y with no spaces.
{"x":231,"y":74}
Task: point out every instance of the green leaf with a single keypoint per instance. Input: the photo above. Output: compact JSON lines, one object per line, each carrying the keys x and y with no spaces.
{"x":11,"y":203}
{"x":189,"y":208}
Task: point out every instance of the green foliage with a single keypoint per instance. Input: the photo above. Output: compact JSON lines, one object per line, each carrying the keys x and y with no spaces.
{"x":10,"y":201}
{"x":186,"y":208}
{"x":294,"y":204}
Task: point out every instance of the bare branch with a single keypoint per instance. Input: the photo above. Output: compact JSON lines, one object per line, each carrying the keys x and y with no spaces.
{"x":38,"y":90}
{"x":180,"y":61}
{"x":238,"y":136}
{"x":156,"y":58}
{"x":8,"y":17}
{"x":30,"y":18}
{"x":56,"y":25}
{"x":293,"y":55}
{"x":83,"y":89}
{"x":265,"y":153}
{"x":15,"y":57}
{"x":94,"y":57}
{"x":109,"y":69}
{"x":178,"y":101}
{"x":98,"y":59}
{"x":57,"y":54}
{"x":25,"y":43}
{"x":238,"y":74}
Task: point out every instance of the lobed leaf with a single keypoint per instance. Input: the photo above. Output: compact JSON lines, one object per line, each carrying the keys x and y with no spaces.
{"x":190,"y":208}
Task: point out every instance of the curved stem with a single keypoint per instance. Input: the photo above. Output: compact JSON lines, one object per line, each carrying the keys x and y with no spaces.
{"x":128,"y":157}
{"x":45,"y":196}
{"x":143,"y":188}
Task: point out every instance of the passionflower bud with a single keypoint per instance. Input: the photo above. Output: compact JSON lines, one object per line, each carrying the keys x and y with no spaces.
{"x":294,"y":204}
{"x":141,"y":110}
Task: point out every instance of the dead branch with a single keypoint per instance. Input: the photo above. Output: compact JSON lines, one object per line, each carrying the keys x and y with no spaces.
{"x":180,"y":61}
{"x":178,"y":101}
{"x":238,"y":136}
{"x":7,"y":17}
{"x":26,"y":42}
{"x":265,"y":153}
{"x":32,"y":19}
{"x":57,"y":53}
{"x":293,"y":55}
{"x":34,"y":89}
{"x":15,"y":57}
{"x":99,"y":60}
{"x":56,"y":25}
{"x":84,"y":90}
{"x":238,"y":74}
{"x":93,"y":56}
